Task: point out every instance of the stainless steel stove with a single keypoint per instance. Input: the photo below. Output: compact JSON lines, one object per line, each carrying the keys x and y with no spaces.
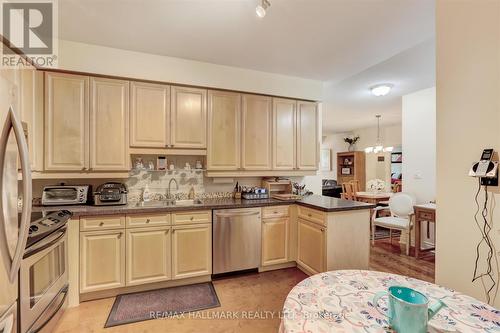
{"x":43,"y":277}
{"x":44,"y":224}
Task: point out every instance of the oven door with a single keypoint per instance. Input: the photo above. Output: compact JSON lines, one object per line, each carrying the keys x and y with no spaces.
{"x":43,"y":277}
{"x":60,"y":196}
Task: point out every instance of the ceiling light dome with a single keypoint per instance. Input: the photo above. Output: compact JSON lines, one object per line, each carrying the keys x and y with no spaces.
{"x":381,"y":89}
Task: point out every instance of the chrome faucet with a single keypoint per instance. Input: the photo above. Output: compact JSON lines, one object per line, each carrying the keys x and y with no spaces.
{"x":169,"y":193}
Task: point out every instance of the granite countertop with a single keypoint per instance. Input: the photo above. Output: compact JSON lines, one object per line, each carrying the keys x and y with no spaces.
{"x":326,"y":204}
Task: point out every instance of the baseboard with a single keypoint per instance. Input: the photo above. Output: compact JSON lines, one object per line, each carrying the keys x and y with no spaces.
{"x":90,"y":296}
{"x":277,"y":266}
{"x":305,"y":270}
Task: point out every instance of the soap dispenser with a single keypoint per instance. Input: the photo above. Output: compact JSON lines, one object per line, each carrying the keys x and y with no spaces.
{"x":145,"y":194}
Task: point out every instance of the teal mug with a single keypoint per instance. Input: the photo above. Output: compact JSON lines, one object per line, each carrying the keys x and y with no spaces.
{"x":409,"y":310}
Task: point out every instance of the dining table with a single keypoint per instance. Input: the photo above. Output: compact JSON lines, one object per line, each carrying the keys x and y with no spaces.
{"x":373,"y":197}
{"x":342,"y":301}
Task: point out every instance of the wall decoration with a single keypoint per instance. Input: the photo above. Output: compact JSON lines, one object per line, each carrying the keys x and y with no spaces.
{"x":326,"y":160}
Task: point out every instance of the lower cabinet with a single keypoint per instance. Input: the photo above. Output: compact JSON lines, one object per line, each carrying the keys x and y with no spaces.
{"x":102,"y":260}
{"x":275,"y":241}
{"x":191,"y":251}
{"x":148,"y":255}
{"x":311,"y":251}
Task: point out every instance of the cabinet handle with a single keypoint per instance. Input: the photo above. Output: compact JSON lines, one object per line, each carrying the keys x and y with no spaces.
{"x":148,"y":220}
{"x":191,"y":218}
{"x":101,"y":224}
{"x":309,"y":215}
{"x":120,"y":235}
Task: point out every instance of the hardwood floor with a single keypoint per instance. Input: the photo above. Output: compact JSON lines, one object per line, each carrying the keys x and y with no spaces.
{"x":262,"y":294}
{"x":389,"y":258}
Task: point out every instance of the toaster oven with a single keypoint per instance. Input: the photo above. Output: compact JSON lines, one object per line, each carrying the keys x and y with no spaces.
{"x":66,"y":195}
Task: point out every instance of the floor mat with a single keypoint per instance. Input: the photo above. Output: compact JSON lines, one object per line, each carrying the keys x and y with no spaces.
{"x":131,"y":308}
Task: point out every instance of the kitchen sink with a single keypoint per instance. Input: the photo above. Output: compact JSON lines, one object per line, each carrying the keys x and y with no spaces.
{"x":189,"y":202}
{"x":169,"y":203}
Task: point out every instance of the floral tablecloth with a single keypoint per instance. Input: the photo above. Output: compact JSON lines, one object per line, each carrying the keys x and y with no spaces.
{"x":341,"y":301}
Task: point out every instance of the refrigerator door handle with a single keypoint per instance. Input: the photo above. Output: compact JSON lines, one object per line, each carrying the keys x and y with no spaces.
{"x":12,"y":122}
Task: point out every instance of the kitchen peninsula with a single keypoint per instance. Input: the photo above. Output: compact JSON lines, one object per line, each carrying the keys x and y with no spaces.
{"x":114,"y":244}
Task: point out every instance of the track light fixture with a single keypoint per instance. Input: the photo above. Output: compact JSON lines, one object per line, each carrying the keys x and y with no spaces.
{"x":260,"y":10}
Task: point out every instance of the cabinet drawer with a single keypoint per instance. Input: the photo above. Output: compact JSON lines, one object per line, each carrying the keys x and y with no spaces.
{"x":274,"y":212}
{"x":312,"y":215}
{"x":104,"y":222}
{"x":202,"y":216}
{"x":426,"y":216}
{"x":144,"y":220}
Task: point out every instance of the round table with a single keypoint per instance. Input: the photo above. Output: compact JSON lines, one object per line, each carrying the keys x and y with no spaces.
{"x":341,"y":301}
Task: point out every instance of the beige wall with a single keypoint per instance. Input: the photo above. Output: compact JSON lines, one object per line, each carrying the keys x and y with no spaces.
{"x":468,"y":120}
{"x":105,"y":60}
{"x":334,"y":142}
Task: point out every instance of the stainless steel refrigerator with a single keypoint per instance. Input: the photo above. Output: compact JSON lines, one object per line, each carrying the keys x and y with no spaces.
{"x":13,"y":224}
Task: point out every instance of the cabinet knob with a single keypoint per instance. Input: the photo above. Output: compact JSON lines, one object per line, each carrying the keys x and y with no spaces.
{"x":275,"y":212}
{"x":120,"y":235}
{"x":101,"y":224}
{"x":309,"y":215}
{"x":148,"y":220}
{"x":322,"y":229}
{"x":191,"y":218}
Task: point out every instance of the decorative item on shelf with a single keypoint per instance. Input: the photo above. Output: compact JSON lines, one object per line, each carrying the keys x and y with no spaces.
{"x":171,"y":167}
{"x":139,"y":164}
{"x":351,"y":140}
{"x":346,"y":171}
{"x":187,"y":166}
{"x":376,"y":186}
{"x":161,"y":163}
{"x":199,"y":165}
{"x":151,"y":165}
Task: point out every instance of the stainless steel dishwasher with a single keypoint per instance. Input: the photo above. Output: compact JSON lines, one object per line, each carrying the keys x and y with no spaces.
{"x":236,"y":240}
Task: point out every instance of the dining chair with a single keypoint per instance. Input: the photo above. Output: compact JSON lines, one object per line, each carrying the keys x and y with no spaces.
{"x":401,"y":208}
{"x":347,"y":191}
{"x":355,"y":187}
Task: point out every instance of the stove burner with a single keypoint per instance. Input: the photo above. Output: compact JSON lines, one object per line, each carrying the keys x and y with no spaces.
{"x":44,"y":224}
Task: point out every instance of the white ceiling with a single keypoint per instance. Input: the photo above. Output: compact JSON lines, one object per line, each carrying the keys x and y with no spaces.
{"x":349,"y":104}
{"x":327,"y":40}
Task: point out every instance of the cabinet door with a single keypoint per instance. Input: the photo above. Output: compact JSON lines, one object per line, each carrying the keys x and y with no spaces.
{"x":311,"y":246}
{"x":109,"y":121}
{"x":32,"y":114}
{"x":191,"y":251}
{"x":189,"y":117}
{"x":102,"y":260}
{"x":148,"y":255}
{"x":284,"y":133}
{"x":149,"y":115}
{"x":274,"y":241}
{"x":66,"y":122}
{"x":224,"y":116}
{"x":307,"y":136}
{"x":256,"y":132}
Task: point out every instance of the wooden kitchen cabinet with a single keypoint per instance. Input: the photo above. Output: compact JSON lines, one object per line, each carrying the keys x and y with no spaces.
{"x":191,"y":251}
{"x":149,"y":115}
{"x":256,"y":132}
{"x":224,"y":117}
{"x":307,"y":136}
{"x":188,"y":117}
{"x":109,"y":121}
{"x":311,"y":249}
{"x":32,"y":114}
{"x":275,"y":241}
{"x":102,"y":260}
{"x":284,"y":134}
{"x":66,"y":122}
{"x":148,"y":255}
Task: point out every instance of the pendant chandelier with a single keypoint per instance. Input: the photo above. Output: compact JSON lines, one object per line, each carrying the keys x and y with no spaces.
{"x":378,"y":147}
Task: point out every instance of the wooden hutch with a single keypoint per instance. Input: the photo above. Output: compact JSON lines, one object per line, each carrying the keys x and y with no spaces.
{"x":351,"y":166}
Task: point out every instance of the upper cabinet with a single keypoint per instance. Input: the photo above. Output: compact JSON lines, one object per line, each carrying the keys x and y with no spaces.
{"x":109,"y":121}
{"x":284,"y":134}
{"x":224,"y":118}
{"x":307,"y":136}
{"x":188,"y":117}
{"x":66,"y":122}
{"x":149,"y":115}
{"x":32,"y":114}
{"x":256,"y":132}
